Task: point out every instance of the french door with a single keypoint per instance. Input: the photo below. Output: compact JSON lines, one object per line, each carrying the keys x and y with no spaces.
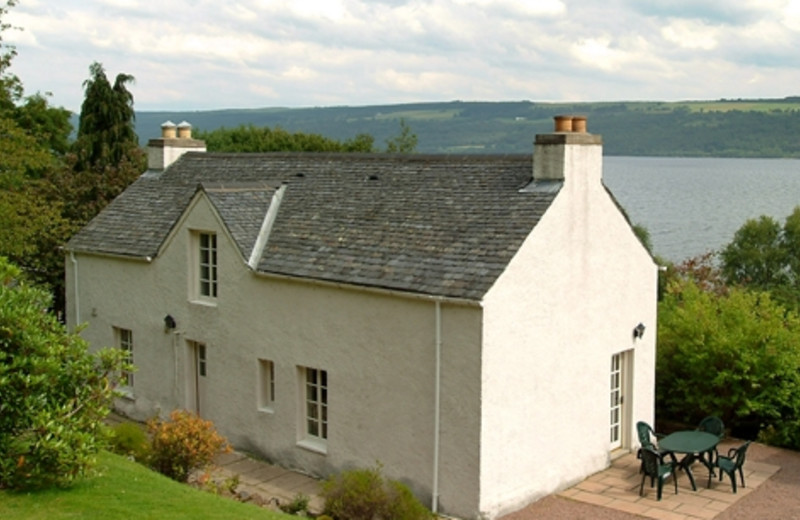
{"x":618,"y":389}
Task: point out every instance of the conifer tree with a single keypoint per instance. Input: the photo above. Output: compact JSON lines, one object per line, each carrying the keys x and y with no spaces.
{"x":106,"y":133}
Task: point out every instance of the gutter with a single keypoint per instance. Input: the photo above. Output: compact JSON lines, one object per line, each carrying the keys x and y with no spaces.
{"x":437,"y":408}
{"x":75,"y":281}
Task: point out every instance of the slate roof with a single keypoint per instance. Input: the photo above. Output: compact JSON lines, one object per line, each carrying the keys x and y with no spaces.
{"x":436,"y":225}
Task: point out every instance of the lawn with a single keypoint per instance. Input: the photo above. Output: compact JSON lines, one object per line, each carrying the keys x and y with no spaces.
{"x":124,"y":489}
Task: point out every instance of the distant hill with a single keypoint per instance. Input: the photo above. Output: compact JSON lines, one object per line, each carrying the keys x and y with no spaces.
{"x":723,"y":128}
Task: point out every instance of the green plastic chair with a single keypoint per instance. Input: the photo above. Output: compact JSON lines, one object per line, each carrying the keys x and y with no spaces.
{"x":647,"y":434}
{"x":714,"y":426}
{"x":731,"y":464}
{"x":646,"y":439}
{"x":656,"y":469}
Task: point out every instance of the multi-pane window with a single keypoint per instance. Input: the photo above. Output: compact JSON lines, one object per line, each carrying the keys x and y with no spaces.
{"x":124,"y":339}
{"x":208,"y":265}
{"x":316,"y":400}
{"x":266,"y":384}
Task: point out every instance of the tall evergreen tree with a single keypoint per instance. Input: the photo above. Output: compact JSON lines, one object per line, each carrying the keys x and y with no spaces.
{"x":107,"y":157}
{"x":106,"y":133}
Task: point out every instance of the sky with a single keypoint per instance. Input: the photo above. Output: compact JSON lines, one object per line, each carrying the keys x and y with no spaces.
{"x":204,"y":55}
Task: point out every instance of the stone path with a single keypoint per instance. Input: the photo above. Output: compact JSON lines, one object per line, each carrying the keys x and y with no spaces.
{"x":618,"y":488}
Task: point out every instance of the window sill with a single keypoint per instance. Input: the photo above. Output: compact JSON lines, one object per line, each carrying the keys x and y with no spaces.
{"x":127,"y":394}
{"x":314,"y":445}
{"x":267,"y":410}
{"x":204,"y":303}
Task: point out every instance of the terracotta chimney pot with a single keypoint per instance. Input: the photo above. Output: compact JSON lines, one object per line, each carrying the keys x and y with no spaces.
{"x":168,"y":130}
{"x":579,"y":124}
{"x":563,"y":123}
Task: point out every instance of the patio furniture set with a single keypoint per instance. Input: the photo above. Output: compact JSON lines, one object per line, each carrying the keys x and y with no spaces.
{"x":659,"y":454}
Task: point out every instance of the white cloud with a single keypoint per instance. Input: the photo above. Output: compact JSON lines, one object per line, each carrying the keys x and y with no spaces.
{"x":691,"y":34}
{"x":315,"y":52}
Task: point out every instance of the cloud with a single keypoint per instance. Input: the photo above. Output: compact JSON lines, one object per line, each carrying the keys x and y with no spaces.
{"x":250,"y":53}
{"x":691,"y":34}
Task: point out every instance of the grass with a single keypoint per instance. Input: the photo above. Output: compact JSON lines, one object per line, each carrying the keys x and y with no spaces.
{"x":124,"y":489}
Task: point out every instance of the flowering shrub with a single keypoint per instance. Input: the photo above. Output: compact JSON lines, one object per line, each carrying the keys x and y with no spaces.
{"x":183,"y":443}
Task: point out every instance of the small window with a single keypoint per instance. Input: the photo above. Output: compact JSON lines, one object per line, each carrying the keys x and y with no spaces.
{"x":266,"y":384}
{"x":201,"y":359}
{"x":124,"y":340}
{"x":316,"y":400}
{"x":207,"y":274}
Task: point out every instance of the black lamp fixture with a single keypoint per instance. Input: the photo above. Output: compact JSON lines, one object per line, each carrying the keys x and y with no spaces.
{"x":169,"y":323}
{"x":638,"y":331}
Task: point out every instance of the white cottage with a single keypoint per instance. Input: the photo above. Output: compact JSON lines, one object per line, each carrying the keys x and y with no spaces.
{"x":458,"y":319}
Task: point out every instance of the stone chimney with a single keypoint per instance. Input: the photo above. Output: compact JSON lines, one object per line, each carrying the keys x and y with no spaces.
{"x":569,"y":150}
{"x":175,"y":140}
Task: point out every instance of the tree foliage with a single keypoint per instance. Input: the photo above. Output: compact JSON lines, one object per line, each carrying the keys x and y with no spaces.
{"x":10,"y":85}
{"x":32,"y":234}
{"x":404,"y":142}
{"x":54,"y":395}
{"x":106,"y":133}
{"x":763,"y":255}
{"x":107,"y":157}
{"x":731,"y":354}
{"x":252,"y":139}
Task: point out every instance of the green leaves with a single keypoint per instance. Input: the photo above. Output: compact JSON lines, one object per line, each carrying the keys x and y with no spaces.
{"x":53,"y":393}
{"x":765,"y":256}
{"x":249,"y":139}
{"x":106,"y":132}
{"x":733,"y":354}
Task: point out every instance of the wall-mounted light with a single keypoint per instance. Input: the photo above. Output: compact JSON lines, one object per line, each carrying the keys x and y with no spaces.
{"x":638,"y":331}
{"x":169,"y":323}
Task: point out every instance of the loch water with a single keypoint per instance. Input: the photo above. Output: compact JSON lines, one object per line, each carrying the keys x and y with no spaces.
{"x":693,"y":205}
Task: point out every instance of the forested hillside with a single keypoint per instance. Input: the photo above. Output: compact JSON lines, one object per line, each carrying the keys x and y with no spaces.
{"x":724,"y":128}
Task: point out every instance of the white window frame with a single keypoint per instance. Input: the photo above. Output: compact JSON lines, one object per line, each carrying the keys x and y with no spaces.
{"x":204,"y":266}
{"x":123,"y":338}
{"x":266,"y":385}
{"x":313,"y":416}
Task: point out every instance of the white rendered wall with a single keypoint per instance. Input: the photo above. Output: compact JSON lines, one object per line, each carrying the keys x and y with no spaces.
{"x":567,"y":302}
{"x":379,"y":351}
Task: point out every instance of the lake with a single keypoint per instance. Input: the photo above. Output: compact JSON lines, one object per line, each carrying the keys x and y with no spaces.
{"x":691,"y":206}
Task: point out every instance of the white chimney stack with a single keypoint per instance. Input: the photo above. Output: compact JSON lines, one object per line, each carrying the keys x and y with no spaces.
{"x":568,"y":151}
{"x":175,"y":140}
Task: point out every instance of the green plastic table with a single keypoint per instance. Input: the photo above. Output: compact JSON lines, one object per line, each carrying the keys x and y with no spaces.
{"x":694,"y":444}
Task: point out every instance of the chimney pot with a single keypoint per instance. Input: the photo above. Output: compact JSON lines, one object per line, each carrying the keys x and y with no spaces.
{"x":184,"y":130}
{"x":168,"y":130}
{"x":579,"y":124}
{"x":168,"y":149}
{"x":563,"y":123}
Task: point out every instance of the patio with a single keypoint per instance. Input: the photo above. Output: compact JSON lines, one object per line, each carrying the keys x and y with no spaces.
{"x":618,"y":488}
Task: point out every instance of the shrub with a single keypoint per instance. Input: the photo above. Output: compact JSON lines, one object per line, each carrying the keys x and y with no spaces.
{"x":54,"y":394}
{"x":182,"y":444}
{"x":298,"y":505}
{"x":364,"y":494}
{"x":733,"y":355}
{"x":130,"y":440}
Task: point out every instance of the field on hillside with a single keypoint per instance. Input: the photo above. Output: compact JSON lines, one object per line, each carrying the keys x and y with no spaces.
{"x":721,"y":128}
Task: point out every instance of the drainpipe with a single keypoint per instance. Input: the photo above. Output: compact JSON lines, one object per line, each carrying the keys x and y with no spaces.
{"x":75,"y":276}
{"x":437,"y":408}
